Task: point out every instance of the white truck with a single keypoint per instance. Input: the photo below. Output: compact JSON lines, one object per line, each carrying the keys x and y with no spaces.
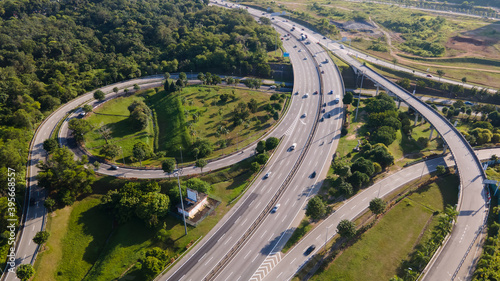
{"x":337,"y":99}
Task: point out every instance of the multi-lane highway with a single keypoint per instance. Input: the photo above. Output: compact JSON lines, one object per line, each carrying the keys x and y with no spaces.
{"x":303,"y":114}
{"x":273,"y":230}
{"x":456,"y":259}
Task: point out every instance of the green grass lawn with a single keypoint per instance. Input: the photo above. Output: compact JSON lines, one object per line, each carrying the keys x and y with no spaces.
{"x":85,"y":243}
{"x":380,"y":251}
{"x":78,"y":234}
{"x":115,"y":115}
{"x":195,"y":112}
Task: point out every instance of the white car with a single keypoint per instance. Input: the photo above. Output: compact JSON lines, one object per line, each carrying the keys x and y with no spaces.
{"x":275,"y":209}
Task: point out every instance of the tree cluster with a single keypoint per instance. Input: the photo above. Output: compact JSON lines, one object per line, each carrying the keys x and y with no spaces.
{"x":142,"y":200}
{"x":65,"y":178}
{"x":139,"y":113}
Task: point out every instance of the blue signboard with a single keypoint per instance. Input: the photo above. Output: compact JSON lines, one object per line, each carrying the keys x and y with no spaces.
{"x":286,"y":55}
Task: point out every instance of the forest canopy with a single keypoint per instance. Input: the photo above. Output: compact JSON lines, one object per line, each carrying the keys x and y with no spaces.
{"x":53,"y":51}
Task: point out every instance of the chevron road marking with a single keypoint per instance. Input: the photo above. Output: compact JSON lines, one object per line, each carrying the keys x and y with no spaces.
{"x":269,"y":263}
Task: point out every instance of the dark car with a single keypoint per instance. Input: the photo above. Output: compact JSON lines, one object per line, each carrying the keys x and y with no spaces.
{"x":309,"y":250}
{"x":324,"y":37}
{"x":313,"y":175}
{"x":113,"y":167}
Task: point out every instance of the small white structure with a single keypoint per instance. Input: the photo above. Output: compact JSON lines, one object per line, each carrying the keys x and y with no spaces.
{"x":194,"y":203}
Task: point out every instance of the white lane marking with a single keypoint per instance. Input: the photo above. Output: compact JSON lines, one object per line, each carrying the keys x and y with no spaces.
{"x":271,"y":237}
{"x":283,"y":219}
{"x":294,"y":203}
{"x":257,"y":205}
{"x":353,"y":207}
{"x":243,"y":223}
{"x":238,"y":278}
{"x":364,"y":199}
{"x":209,"y":260}
{"x":237,"y":219}
{"x":228,"y":239}
{"x":246,"y":255}
{"x":279,"y":274}
{"x":202,"y":257}
{"x":342,"y":216}
{"x":263,"y":234}
{"x":228,"y":276}
{"x":255,"y":257}
{"x":293,"y":260}
{"x":318,"y":237}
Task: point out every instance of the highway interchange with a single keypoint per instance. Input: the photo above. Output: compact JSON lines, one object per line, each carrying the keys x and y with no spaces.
{"x":274,"y":230}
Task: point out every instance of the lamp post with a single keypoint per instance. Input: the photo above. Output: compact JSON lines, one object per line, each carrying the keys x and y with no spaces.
{"x":182,"y":202}
{"x":123,"y":157}
{"x":415,"y":89}
{"x":181,"y":156}
{"x":359,"y":96}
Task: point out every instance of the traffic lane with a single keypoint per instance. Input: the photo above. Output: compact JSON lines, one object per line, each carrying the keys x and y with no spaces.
{"x":277,"y":225}
{"x":209,"y":263}
{"x":349,"y":210}
{"x":265,"y":192}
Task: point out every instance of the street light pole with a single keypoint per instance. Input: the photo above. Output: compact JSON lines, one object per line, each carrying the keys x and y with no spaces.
{"x":415,"y":89}
{"x":182,"y":202}
{"x":181,"y":154}
{"x":359,"y":96}
{"x":123,"y":156}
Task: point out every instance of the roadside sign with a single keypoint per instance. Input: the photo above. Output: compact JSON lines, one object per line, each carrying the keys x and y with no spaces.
{"x":286,"y":55}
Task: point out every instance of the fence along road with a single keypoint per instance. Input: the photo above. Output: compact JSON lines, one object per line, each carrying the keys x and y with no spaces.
{"x":455,"y":260}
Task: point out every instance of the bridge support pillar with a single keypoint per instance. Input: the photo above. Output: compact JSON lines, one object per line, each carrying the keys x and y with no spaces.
{"x":377,"y":90}
{"x":432,"y":131}
{"x":445,"y":148}
{"x":399,"y":103}
{"x":416,"y":119}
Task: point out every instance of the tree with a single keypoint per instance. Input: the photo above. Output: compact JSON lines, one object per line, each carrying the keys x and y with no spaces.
{"x":137,"y":87}
{"x":348,"y":98}
{"x":110,"y":151}
{"x":50,"y":144}
{"x":166,"y":75}
{"x":394,"y":61}
{"x":87,"y":108}
{"x":440,"y":73}
{"x":201,"y":163}
{"x":272,"y":143}
{"x":79,"y":127}
{"x":346,"y":229}
{"x":261,"y":146}
{"x":204,"y":147}
{"x":440,"y":169}
{"x":139,"y":112}
{"x":152,"y":207}
{"x":357,"y":179}
{"x":253,"y":105}
{"x":262,"y":158}
{"x":168,"y":165}
{"x":198,"y":185}
{"x":346,"y":188}
{"x":315,"y":208}
{"x":265,"y":21}
{"x":464,"y":80}
{"x":363,"y":165}
{"x":25,"y":272}
{"x":384,"y":134}
{"x":64,"y":176}
{"x":49,"y":204}
{"x":99,"y":95}
{"x":141,"y":151}
{"x":41,"y":237}
{"x":183,"y":76}
{"x":254,"y":167}
{"x":377,"y":206}
{"x":151,"y":266}
{"x":115,"y":89}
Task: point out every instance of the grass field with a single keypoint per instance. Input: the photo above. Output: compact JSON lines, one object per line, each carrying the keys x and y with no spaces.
{"x":86,"y":244}
{"x":380,"y":251}
{"x":195,"y":112}
{"x":78,"y":234}
{"x":115,"y":115}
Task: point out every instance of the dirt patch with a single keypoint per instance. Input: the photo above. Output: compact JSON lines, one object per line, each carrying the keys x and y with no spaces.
{"x":473,"y":46}
{"x":353,"y":136}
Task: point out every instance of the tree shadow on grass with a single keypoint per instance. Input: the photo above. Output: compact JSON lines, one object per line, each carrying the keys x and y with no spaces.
{"x":97,"y":224}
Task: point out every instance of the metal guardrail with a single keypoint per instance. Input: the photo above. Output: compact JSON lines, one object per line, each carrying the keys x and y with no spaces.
{"x":234,"y":250}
